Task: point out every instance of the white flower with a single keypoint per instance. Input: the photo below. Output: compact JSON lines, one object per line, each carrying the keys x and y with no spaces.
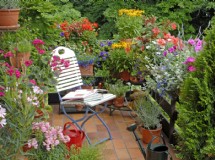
{"x":148,"y":47}
{"x":37,"y":90}
{"x":29,"y":99}
{"x":2,"y":112}
{"x":3,"y":122}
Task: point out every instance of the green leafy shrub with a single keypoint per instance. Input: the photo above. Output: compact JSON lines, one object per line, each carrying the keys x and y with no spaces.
{"x":196,"y":108}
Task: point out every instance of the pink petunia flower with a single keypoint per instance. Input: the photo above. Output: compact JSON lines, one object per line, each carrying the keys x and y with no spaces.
{"x":66,"y":64}
{"x":38,"y":41}
{"x":191,"y":68}
{"x":192,"y":42}
{"x":10,"y":71}
{"x":8,"y":54}
{"x":41,"y":51}
{"x":189,"y":60}
{"x":32,"y":81}
{"x":56,"y":58}
{"x":28,"y":63}
{"x":2,"y":94}
{"x":17,"y":74}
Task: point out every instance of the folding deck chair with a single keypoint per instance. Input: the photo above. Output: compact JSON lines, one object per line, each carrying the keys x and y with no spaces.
{"x":69,"y":80}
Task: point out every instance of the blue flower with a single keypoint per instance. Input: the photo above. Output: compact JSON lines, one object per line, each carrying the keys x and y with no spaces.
{"x":62,"y":34}
{"x":102,"y":44}
{"x":109,"y":43}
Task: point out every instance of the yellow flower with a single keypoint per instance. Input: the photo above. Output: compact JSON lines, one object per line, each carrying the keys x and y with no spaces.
{"x":130,"y":12}
{"x":121,"y":44}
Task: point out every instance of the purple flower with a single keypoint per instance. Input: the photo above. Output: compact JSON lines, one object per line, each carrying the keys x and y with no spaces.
{"x":109,"y":43}
{"x":103,"y":53}
{"x":62,"y":34}
{"x":198,"y":48}
{"x":191,"y":42}
{"x":191,"y":68}
{"x":171,"y":50}
{"x":165,"y":53}
{"x":102,"y":44}
{"x":189,"y":60}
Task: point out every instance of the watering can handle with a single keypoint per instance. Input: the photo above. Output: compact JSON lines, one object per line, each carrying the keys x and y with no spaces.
{"x":69,"y":124}
{"x":150,"y":143}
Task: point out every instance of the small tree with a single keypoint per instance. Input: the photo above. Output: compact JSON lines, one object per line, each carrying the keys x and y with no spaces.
{"x":196,"y":107}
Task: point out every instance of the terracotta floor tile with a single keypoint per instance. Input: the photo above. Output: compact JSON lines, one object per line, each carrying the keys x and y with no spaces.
{"x":119,"y":143}
{"x":109,"y":145}
{"x":123,"y":146}
{"x":131,"y":144}
{"x":135,"y":153}
{"x":116,"y":134}
{"x":91,"y":127}
{"x":109,"y":154}
{"x":122,"y":154}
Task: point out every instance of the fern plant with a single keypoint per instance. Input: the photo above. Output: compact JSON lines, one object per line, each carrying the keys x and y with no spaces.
{"x":196,"y":108}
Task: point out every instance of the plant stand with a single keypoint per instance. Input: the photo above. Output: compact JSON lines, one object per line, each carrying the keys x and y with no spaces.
{"x":113,"y":108}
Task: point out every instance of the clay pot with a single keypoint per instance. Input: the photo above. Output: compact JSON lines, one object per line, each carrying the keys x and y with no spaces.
{"x":18,"y":59}
{"x":9,"y":18}
{"x":124,"y":75}
{"x":86,"y":71}
{"x":147,"y":135}
{"x":118,"y":102}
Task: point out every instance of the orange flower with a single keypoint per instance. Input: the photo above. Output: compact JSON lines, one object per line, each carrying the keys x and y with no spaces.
{"x":167,"y":36}
{"x":173,"y":26}
{"x":64,"y":25}
{"x":95,"y":25}
{"x":161,"y":42}
{"x":177,"y":42}
{"x":156,"y":31}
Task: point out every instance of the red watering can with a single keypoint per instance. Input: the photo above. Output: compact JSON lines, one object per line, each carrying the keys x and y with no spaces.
{"x":76,"y":136}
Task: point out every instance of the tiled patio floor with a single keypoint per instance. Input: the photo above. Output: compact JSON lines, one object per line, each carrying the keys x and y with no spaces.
{"x":123,"y":146}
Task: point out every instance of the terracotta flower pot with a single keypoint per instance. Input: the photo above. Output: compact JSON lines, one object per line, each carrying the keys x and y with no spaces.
{"x":86,"y":71}
{"x":124,"y":75}
{"x":118,"y":102}
{"x":9,"y":18}
{"x":147,"y":134}
{"x":18,"y":59}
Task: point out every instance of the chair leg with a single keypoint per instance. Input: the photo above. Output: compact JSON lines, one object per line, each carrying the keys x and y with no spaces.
{"x":94,"y":113}
{"x":76,"y":121}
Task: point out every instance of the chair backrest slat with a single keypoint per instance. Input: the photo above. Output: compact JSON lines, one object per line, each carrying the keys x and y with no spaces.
{"x":70,"y":77}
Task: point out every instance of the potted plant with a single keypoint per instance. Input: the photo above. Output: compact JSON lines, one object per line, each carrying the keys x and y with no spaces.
{"x":148,"y":114}
{"x":119,"y":62}
{"x":129,"y":24}
{"x":9,"y":14}
{"x":86,"y":62}
{"x":88,"y":82}
{"x":21,"y":50}
{"x":118,"y":89}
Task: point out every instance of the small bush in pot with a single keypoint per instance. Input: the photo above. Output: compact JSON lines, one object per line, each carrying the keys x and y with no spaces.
{"x":118,"y":89}
{"x":148,"y":113}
